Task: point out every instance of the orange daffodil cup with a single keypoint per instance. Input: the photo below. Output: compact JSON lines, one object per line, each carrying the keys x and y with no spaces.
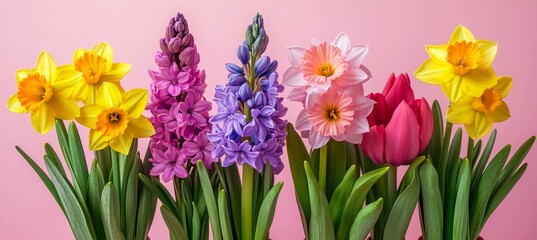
{"x":93,"y":196}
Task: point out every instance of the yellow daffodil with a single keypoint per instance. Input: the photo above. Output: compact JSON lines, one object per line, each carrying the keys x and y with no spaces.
{"x":93,"y":69}
{"x":479,"y":113}
{"x":43,"y":92}
{"x":116,"y":119}
{"x":463,"y":66}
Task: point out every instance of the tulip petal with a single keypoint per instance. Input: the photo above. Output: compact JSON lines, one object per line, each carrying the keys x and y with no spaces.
{"x":504,"y":85}
{"x":460,"y":34}
{"x":437,"y":53}
{"x":64,"y":108}
{"x":303,"y":122}
{"x":400,"y":91}
{"x":373,"y":144}
{"x":104,"y":50}
{"x":134,"y":101}
{"x":426,"y":124}
{"x":343,"y":42}
{"x":43,"y":118}
{"x":116,"y":72}
{"x":140,"y":127}
{"x":97,"y":140}
{"x":488,"y":52}
{"x":402,"y":136}
{"x":479,"y":127}
{"x":121,"y":143}
{"x":47,"y":67}
{"x":461,"y":111}
{"x":434,"y":73}
{"x":476,"y":81}
{"x":501,"y":113}
{"x":356,"y":55}
{"x":108,"y":95}
{"x":317,"y":140}
{"x":295,"y":55}
{"x":293,"y":77}
{"x":14,"y":105}
{"x":88,"y":115}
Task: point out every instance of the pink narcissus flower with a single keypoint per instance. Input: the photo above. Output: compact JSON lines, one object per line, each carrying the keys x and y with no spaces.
{"x":401,"y":126}
{"x":324,"y":65}
{"x":340,"y":115}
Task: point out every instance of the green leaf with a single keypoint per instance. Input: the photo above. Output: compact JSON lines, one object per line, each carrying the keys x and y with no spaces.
{"x":356,"y":200}
{"x":337,"y":155}
{"x":43,"y":176}
{"x":431,"y":202}
{"x":297,"y":154}
{"x":320,"y":226}
{"x":110,"y":213}
{"x":184,"y":192}
{"x":223,"y":213}
{"x":484,"y":190}
{"x":53,"y":156}
{"x":365,"y":220}
{"x":451,"y":179}
{"x":341,"y":194}
{"x":104,"y":159}
{"x":77,"y":213}
{"x":233,"y":183}
{"x":210,"y":201}
{"x":478,"y":170}
{"x":515,"y":161}
{"x":131,"y":196}
{"x":78,"y":161}
{"x":164,"y":196}
{"x":403,"y":208}
{"x":435,"y":145}
{"x":177,"y":231}
{"x":95,"y":188}
{"x":460,"y":217}
{"x":196,"y":223}
{"x":147,"y":201}
{"x":266,"y":213}
{"x":61,"y":133}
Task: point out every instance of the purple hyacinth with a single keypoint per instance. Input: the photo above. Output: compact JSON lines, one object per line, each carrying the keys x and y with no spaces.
{"x":180,"y":112}
{"x":249,"y":126}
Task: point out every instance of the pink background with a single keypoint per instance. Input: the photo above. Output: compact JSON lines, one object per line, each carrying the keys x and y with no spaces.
{"x":395,"y":31}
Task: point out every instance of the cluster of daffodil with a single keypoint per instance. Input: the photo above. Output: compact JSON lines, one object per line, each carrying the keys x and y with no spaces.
{"x":106,"y":202}
{"x":114,"y":116}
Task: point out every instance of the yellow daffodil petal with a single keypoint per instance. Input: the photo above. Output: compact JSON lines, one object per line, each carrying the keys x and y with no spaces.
{"x":140,"y":127}
{"x":97,"y":140}
{"x":108,"y":95}
{"x":452,"y":89}
{"x":22,"y":74}
{"x":79,"y":53}
{"x":116,"y":73}
{"x":14,"y":105}
{"x":460,"y":34}
{"x":122,"y":143}
{"x":488,"y":51}
{"x":104,"y":50}
{"x":438,"y":53}
{"x":500,"y":114}
{"x":504,"y":85}
{"x":461,"y":111}
{"x":43,"y":118}
{"x":88,"y":115}
{"x":134,"y":101}
{"x":64,"y":108}
{"x":433,"y":73}
{"x":81,"y":92}
{"x":479,"y":127}
{"x":476,"y":81}
{"x":46,"y":67}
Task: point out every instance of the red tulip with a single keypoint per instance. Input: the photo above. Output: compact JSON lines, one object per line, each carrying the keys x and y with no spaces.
{"x":400,"y":126}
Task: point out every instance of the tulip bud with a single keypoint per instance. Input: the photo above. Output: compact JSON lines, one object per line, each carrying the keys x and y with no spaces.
{"x":397,"y":90}
{"x":402,"y":136}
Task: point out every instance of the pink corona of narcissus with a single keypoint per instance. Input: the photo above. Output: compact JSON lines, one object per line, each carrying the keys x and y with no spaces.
{"x":400,"y":126}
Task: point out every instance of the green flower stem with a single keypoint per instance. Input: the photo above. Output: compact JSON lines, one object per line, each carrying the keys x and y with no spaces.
{"x":392,"y":187}
{"x":322,"y":167}
{"x":247,"y":195}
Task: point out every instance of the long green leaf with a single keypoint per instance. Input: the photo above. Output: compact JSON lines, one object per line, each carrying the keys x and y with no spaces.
{"x":53,"y":156}
{"x":146,"y":201}
{"x":196,"y":223}
{"x":478,"y":170}
{"x":177,"y":232}
{"x":297,"y":154}
{"x":163,"y":196}
{"x":78,"y":161}
{"x":337,"y":155}
{"x":435,"y":146}
{"x":320,"y":225}
{"x":403,"y":208}
{"x":110,"y":213}
{"x":431,"y":202}
{"x":515,"y":161}
{"x":461,"y":215}
{"x":356,"y":199}
{"x":210,"y":201}
{"x":95,"y":188}
{"x":77,"y":213}
{"x":131,"y":197}
{"x":341,"y":194}
{"x":365,"y":220}
{"x":484,"y":190}
{"x":266,"y":213}
{"x":223,"y":213}
{"x":234,"y":187}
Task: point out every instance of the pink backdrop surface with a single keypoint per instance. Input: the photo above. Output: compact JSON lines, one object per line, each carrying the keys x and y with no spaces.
{"x":396,"y":32}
